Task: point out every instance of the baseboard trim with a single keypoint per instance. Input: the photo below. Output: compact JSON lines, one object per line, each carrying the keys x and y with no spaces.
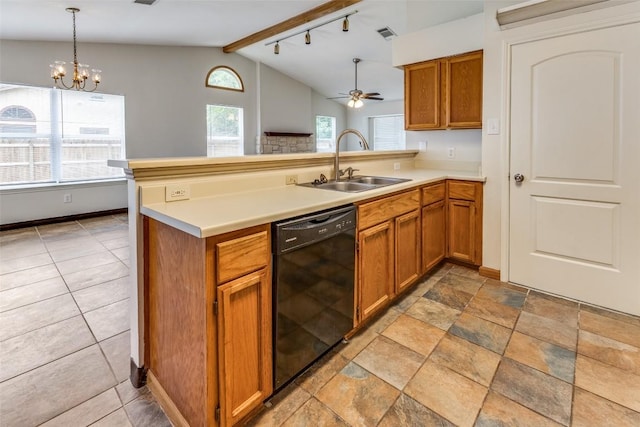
{"x":165,"y":402}
{"x":491,"y":273}
{"x":37,"y":222}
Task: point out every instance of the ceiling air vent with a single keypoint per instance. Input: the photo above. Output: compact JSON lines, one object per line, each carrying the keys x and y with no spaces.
{"x":387,"y":33}
{"x":147,"y":2}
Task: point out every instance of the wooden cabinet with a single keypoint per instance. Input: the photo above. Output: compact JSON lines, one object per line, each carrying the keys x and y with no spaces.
{"x":464,"y":207}
{"x":244,"y":343}
{"x":388,"y":250}
{"x":434,"y":242}
{"x":444,"y":93}
{"x":209,"y":323}
{"x":422,"y":96}
{"x":375,"y":268}
{"x":407,"y":255}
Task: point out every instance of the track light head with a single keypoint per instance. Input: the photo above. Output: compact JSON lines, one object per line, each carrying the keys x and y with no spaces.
{"x":276,"y":48}
{"x":345,"y":24}
{"x":307,"y":38}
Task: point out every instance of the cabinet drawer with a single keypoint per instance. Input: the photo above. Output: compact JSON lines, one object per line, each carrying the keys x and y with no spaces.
{"x":240,"y":256}
{"x":433,"y":193}
{"x":375,"y":212}
{"x":463,"y":190}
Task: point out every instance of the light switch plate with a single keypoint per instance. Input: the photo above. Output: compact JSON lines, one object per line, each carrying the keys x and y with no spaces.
{"x":493,"y":126}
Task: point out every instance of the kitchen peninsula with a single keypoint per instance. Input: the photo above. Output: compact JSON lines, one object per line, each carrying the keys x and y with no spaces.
{"x":201,"y":232}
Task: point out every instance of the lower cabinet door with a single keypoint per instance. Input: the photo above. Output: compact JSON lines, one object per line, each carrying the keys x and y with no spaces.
{"x":462,"y":230}
{"x":375,"y":268}
{"x":434,"y":242}
{"x":407,"y":246}
{"x":245,"y":346}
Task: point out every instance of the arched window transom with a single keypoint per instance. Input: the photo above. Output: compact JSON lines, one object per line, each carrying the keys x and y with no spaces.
{"x":223,"y":77}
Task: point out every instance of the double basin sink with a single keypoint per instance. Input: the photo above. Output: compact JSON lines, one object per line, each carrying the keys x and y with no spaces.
{"x":356,"y":184}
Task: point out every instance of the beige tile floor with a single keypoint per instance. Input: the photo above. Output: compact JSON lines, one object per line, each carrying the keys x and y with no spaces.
{"x":64,"y":328}
{"x":458,"y":349}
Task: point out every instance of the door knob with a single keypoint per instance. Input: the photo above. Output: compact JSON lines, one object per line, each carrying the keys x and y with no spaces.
{"x":518,"y":177}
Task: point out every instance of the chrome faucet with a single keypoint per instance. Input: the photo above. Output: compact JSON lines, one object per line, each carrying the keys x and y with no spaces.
{"x":363,"y":143}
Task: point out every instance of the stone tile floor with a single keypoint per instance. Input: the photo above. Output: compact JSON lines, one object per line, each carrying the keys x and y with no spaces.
{"x":458,"y":349}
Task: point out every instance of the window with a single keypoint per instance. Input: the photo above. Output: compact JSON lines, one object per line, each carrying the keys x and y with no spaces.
{"x":224,"y":131}
{"x":223,"y":77}
{"x":388,"y":133}
{"x":53,"y":136}
{"x":325,"y":134}
{"x":17,"y":119}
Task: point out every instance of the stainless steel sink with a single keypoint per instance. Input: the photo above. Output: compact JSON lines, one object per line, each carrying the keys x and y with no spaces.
{"x":356,"y":184}
{"x":378,"y":180}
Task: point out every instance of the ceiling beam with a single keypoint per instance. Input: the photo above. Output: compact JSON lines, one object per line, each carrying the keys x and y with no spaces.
{"x":301,"y":19}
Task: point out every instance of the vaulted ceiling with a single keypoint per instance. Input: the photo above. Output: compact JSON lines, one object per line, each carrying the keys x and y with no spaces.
{"x":325,"y":65}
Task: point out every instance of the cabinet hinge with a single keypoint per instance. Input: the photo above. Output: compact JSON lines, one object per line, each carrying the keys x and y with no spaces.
{"x":357,"y":312}
{"x":215,"y":308}
{"x":217,"y":413}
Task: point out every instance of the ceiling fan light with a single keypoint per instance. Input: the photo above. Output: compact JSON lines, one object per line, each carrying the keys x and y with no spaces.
{"x":351,"y":103}
{"x":307,"y":38}
{"x":358,"y":103}
{"x":345,"y":24}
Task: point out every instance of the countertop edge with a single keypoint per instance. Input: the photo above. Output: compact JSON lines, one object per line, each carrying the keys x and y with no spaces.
{"x":166,"y":212}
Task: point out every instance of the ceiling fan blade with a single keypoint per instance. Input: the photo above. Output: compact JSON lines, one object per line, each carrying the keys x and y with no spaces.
{"x":375,"y":98}
{"x":370,"y":94}
{"x":339,"y":97}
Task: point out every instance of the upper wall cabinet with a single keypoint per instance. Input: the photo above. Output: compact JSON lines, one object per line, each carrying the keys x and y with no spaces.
{"x":444,"y":93}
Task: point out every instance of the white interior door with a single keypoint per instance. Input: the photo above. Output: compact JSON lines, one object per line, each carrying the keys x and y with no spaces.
{"x":575,"y":138}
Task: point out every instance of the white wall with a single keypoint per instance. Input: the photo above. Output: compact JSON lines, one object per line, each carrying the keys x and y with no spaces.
{"x":450,"y":38}
{"x":165,"y":99}
{"x":164,"y":88}
{"x":48,"y":202}
{"x":285,"y":103}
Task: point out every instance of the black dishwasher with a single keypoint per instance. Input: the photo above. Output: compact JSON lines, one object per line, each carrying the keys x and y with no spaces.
{"x":313,"y":288}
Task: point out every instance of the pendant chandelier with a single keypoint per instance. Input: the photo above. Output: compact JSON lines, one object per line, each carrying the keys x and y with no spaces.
{"x":80,"y":71}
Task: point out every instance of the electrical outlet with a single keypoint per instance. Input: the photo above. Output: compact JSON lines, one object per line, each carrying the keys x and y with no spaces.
{"x":66,"y":198}
{"x":175,"y":192}
{"x":396,"y":166}
{"x":451,"y":152}
{"x":291,"y":179}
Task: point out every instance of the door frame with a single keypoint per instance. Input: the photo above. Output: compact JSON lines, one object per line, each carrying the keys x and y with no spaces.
{"x":612,"y":16}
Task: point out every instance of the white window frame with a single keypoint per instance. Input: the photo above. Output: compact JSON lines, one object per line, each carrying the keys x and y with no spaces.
{"x":376,"y":141}
{"x":239,"y":139}
{"x":50,"y":126}
{"x":326,"y":145}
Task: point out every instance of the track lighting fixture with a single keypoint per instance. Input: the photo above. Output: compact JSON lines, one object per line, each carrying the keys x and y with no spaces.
{"x":307,"y":31}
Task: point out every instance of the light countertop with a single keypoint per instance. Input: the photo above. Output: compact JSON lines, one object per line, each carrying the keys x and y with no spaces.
{"x":216,"y":214}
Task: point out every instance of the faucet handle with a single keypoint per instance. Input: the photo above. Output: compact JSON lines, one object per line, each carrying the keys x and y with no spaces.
{"x":349,"y":171}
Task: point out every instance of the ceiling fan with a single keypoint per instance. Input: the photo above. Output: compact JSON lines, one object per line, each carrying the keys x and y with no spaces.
{"x":356,"y":95}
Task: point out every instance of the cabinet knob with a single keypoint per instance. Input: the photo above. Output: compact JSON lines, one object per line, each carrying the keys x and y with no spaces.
{"x":518,"y":177}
